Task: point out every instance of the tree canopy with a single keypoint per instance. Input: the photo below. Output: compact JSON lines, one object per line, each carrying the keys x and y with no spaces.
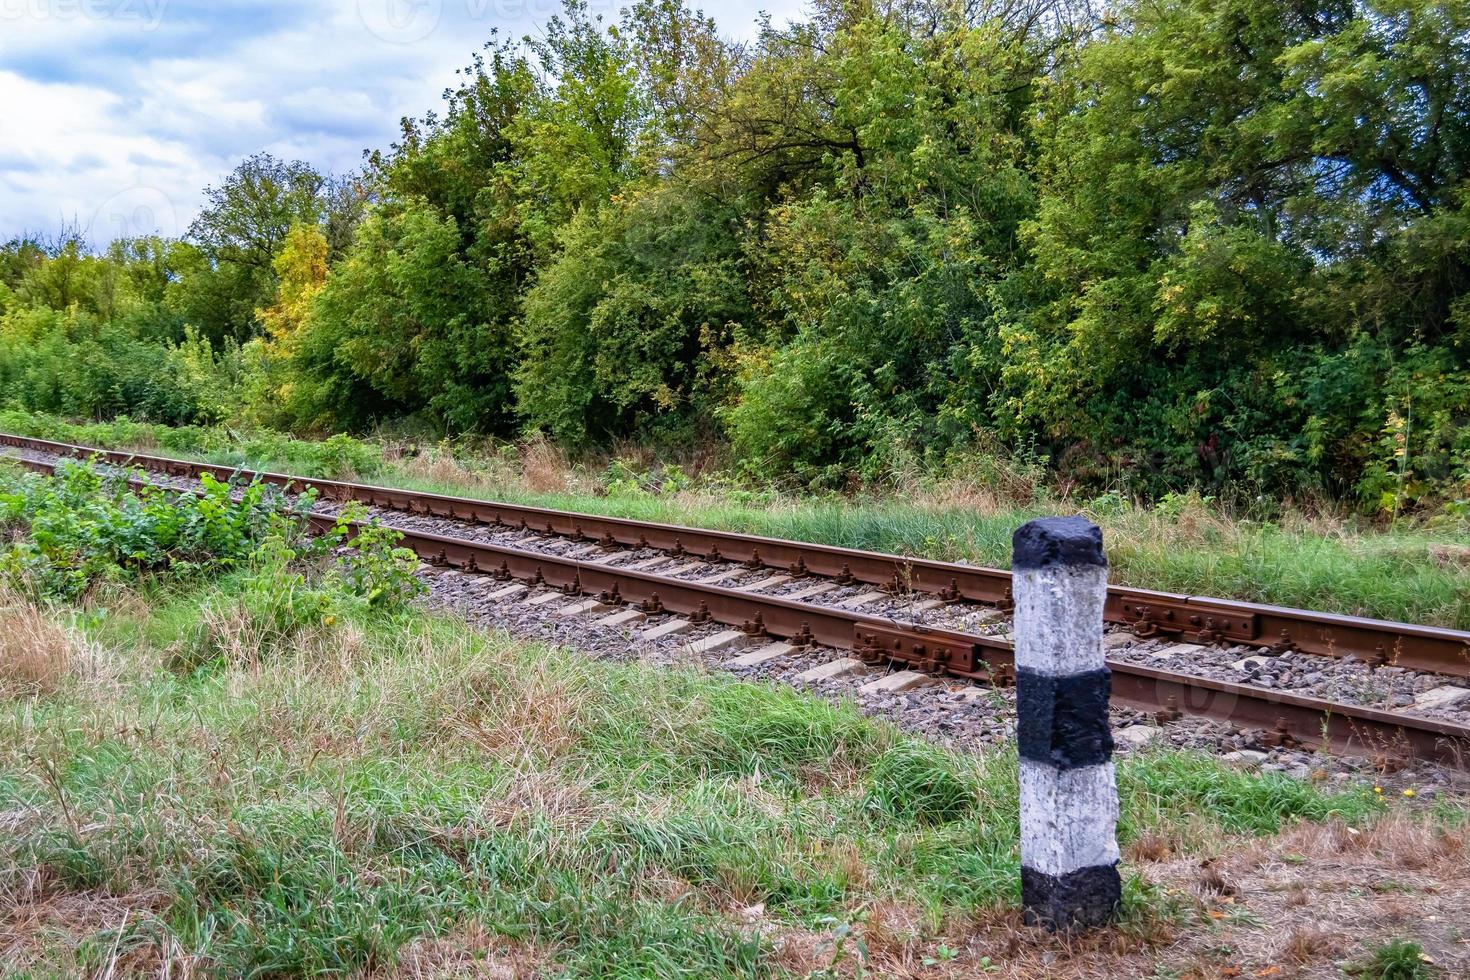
{"x":1174,"y":242}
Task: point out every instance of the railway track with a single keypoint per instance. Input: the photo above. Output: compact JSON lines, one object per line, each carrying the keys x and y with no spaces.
{"x":936,"y":618}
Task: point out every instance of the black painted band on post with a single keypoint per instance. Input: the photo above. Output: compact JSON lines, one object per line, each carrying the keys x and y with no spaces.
{"x":1085,"y":897}
{"x":1049,"y":542}
{"x":1063,"y":721}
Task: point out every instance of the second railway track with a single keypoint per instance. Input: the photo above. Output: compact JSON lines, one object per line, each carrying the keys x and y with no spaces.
{"x":921,"y":615}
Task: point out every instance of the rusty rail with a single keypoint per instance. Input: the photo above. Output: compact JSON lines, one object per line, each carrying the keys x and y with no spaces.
{"x":1145,"y":612}
{"x":1286,"y":718}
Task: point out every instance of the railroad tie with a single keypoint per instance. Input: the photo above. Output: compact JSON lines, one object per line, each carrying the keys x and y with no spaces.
{"x":897,"y":682}
{"x":765,"y":583}
{"x":760,"y":655}
{"x":672,"y":628}
{"x":720,"y":641}
{"x":811,"y":590}
{"x":623,"y":617}
{"x":830,"y":669}
{"x":582,"y":608}
{"x":510,"y":590}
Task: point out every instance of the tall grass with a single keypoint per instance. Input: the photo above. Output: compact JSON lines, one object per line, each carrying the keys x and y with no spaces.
{"x":401,"y":781}
{"x":35,"y":651}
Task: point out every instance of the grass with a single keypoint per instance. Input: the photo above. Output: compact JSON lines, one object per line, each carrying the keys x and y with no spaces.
{"x":1398,"y":960}
{"x":34,"y":651}
{"x":399,"y":791}
{"x":1317,"y":559}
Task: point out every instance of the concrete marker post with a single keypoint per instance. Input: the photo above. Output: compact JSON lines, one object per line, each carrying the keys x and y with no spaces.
{"x":1069,"y":795}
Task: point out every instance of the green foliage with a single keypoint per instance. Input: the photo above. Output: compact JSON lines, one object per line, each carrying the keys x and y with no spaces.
{"x":1397,"y":960}
{"x":338,"y":457}
{"x":238,"y":235}
{"x":403,"y":324}
{"x":913,"y":781}
{"x":72,"y":364}
{"x":629,"y":322}
{"x":370,"y":567}
{"x":1175,"y":244}
{"x":573,"y":140}
{"x":87,"y":525}
{"x":1226,"y":271}
{"x":295,"y":590}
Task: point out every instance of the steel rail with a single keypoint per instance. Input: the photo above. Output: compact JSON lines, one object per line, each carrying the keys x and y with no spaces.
{"x":1147,"y":613}
{"x":1286,"y":718}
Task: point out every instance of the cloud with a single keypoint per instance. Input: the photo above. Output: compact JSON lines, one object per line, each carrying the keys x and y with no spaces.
{"x":119,"y":112}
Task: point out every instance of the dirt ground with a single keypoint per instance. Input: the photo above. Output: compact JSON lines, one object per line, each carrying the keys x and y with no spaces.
{"x":1310,"y":903}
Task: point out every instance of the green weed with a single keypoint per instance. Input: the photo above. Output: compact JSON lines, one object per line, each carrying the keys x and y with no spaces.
{"x":917,"y":782}
{"x":1397,"y":960}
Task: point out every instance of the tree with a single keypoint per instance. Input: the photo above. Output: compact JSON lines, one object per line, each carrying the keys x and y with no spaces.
{"x":1232,"y":194}
{"x":404,"y":324}
{"x":238,"y":234}
{"x":901,"y":161}
{"x":629,"y":323}
{"x":575,"y":142}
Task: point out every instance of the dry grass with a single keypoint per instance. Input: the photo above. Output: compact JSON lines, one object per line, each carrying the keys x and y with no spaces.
{"x":254,"y":637}
{"x":554,"y":798}
{"x":895,"y":941}
{"x":545,"y":468}
{"x":38,"y":920}
{"x":1395,"y":843}
{"x":1148,"y":847}
{"x":35,"y":651}
{"x":468,"y":953}
{"x":347,"y":761}
{"x":1319,"y":895}
{"x":518,"y":718}
{"x":1450,"y":555}
{"x":1294,"y":906}
{"x":1310,"y":942}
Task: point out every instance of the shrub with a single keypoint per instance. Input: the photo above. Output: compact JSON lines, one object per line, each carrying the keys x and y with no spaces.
{"x":86,"y":525}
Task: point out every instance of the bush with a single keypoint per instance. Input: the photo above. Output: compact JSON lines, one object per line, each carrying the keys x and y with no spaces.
{"x":69,"y":363}
{"x":339,"y":457}
{"x":86,"y":525}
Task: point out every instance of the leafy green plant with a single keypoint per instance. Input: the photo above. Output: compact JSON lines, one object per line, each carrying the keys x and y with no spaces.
{"x":86,"y":525}
{"x":371,"y":566}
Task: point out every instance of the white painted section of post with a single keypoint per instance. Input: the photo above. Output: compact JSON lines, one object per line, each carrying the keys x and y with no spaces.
{"x":1069,"y":820}
{"x":1059,"y":619}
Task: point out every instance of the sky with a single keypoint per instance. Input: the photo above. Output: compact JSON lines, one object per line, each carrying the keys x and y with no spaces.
{"x":115,"y":114}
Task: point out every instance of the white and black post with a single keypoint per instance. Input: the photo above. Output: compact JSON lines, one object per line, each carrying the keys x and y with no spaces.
{"x":1069,"y":794}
